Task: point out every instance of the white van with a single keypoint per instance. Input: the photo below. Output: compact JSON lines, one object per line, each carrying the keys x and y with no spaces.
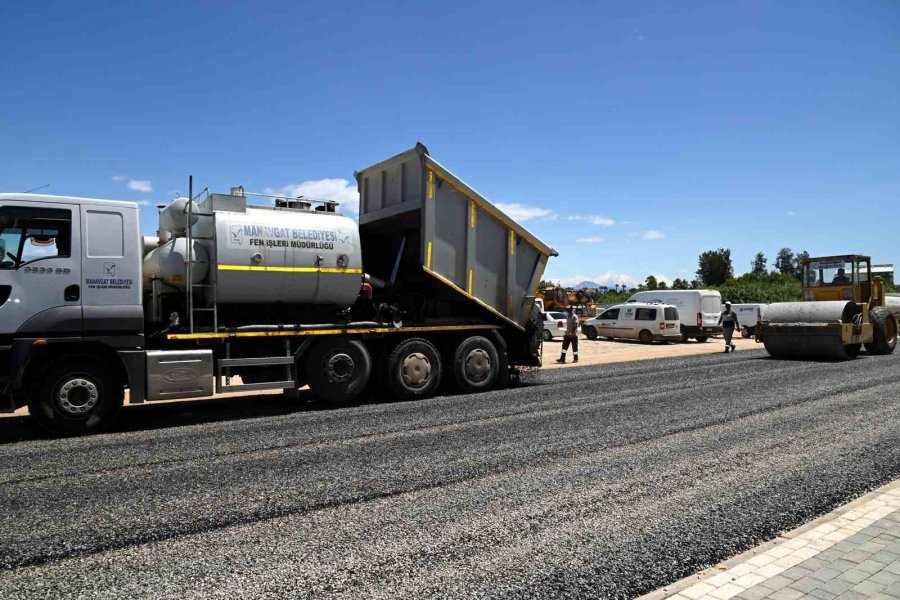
{"x":748,"y":315}
{"x":635,"y":321}
{"x":699,"y":310}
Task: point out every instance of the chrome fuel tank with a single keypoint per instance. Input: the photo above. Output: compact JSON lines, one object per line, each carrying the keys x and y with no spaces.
{"x":280,"y":255}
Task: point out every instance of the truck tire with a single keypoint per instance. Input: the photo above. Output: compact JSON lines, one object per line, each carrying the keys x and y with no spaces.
{"x":701,"y":338}
{"x":547,"y":336}
{"x":645,"y":337}
{"x":591,"y":333}
{"x":746,"y":333}
{"x":476,"y":364}
{"x":75,"y":396}
{"x":414,"y":369}
{"x":884,"y":331}
{"x":685,"y":337}
{"x":338,"y":370}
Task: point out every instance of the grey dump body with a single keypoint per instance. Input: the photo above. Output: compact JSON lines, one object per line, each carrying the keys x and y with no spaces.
{"x":463,"y":241}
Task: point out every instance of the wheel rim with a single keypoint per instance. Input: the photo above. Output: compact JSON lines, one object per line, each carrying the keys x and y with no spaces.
{"x":890,"y":331}
{"x":478,"y":365}
{"x":77,"y":397}
{"x":340,"y":368}
{"x":416,"y":370}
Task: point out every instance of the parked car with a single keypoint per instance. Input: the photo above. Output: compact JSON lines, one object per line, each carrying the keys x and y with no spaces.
{"x":554,"y":325}
{"x":699,"y":310}
{"x":748,"y":315}
{"x":647,"y":322}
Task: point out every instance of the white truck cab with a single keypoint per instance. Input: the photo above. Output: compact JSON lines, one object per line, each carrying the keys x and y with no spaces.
{"x":70,"y":286}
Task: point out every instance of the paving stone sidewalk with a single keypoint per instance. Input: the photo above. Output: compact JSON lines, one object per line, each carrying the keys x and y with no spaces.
{"x":851,"y":553}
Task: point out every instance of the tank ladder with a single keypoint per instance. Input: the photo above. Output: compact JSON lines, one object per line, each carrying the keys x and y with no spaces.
{"x":210,"y":307}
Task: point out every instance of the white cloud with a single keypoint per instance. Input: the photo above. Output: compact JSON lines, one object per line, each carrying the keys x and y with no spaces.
{"x":144,"y":203}
{"x":596,"y":239}
{"x":525,"y":212}
{"x":138,"y":185}
{"x":593,"y":219}
{"x":652,"y":235}
{"x":337,"y":190}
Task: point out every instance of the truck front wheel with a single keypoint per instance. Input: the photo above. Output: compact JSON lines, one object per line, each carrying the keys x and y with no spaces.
{"x":476,"y":364}
{"x":414,"y":369}
{"x":338,"y":370}
{"x":75,"y":397}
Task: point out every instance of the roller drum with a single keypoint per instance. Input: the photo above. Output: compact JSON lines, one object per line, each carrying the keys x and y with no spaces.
{"x":809,"y":330}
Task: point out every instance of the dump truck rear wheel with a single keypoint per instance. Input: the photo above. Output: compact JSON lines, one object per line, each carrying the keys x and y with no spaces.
{"x":338,"y":370}
{"x":414,"y":369}
{"x":75,"y":397}
{"x":591,"y":333}
{"x":645,"y":337}
{"x":884,"y":331}
{"x":476,"y":364}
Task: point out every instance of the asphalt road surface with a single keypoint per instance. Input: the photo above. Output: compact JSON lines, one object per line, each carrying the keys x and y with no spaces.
{"x":602,"y":481}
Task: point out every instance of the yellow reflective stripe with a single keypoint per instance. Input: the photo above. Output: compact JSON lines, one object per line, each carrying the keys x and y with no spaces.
{"x":494,"y":213}
{"x":289,"y":269}
{"x":428,"y":257}
{"x":473,"y":298}
{"x":311,"y":332}
{"x":430,"y":194}
{"x":471,"y":275}
{"x":471,"y":214}
{"x":512,"y":242}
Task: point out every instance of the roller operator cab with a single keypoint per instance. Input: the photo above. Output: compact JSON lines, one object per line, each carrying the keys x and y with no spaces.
{"x":434,"y":288}
{"x":844,"y":310}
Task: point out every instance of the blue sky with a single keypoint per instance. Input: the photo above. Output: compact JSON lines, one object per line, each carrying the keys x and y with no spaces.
{"x":632,"y":136}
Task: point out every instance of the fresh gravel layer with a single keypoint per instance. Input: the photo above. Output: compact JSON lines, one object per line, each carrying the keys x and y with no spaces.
{"x":605,"y":481}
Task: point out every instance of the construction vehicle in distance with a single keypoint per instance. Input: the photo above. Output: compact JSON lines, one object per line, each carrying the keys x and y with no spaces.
{"x":844,"y":309}
{"x":434,"y":284}
{"x":558,"y":299}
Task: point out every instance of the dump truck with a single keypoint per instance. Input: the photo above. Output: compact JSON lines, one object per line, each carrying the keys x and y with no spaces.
{"x":844,"y":310}
{"x":434,"y":284}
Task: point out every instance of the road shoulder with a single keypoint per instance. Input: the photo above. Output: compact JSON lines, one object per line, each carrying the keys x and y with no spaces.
{"x":852,"y":552}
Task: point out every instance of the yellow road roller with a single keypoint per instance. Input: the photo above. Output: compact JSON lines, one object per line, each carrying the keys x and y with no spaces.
{"x":844,"y":309}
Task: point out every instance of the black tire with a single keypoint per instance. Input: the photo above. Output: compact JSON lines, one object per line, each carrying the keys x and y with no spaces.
{"x":746,"y":333}
{"x":685,"y":337}
{"x":338,"y":370}
{"x":547,"y":335}
{"x":414,"y":369}
{"x":701,"y":338}
{"x":645,"y":337}
{"x":884,"y":331}
{"x":476,"y":364}
{"x":75,"y":396}
{"x":591,"y":333}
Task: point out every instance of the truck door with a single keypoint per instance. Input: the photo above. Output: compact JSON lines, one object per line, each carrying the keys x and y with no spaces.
{"x":40,"y":268}
{"x":111,"y":265}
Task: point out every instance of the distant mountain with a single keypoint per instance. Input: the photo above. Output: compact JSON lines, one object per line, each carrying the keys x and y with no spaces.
{"x":587,"y":284}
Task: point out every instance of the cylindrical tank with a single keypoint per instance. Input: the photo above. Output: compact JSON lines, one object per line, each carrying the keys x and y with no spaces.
{"x":267,"y":256}
{"x":167,"y":262}
{"x":174,"y":217}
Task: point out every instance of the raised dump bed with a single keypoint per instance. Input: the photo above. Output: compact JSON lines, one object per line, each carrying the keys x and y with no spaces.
{"x":427,"y":231}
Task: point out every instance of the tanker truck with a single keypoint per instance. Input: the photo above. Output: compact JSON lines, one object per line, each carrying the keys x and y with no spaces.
{"x":434,"y":286}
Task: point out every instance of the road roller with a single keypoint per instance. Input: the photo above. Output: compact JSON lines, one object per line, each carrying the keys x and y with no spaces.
{"x":844,"y":310}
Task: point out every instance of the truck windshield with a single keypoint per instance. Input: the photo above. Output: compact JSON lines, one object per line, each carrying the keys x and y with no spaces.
{"x":28,"y":234}
{"x":828,"y":272}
